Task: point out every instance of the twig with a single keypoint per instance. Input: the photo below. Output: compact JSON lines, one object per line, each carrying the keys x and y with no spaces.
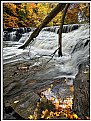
{"x":52,"y":55}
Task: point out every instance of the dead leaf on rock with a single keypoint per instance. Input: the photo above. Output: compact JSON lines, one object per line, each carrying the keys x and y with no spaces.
{"x":16,"y":101}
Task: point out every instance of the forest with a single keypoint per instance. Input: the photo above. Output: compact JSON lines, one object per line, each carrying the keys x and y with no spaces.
{"x":32,"y":14}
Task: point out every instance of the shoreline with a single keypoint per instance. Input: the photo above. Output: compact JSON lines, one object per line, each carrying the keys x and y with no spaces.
{"x":12,"y":74}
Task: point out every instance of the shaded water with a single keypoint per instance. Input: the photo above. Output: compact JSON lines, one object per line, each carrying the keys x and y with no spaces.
{"x":75,"y":47}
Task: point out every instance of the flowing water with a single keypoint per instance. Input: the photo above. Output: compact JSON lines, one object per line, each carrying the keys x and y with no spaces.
{"x":75,"y":49}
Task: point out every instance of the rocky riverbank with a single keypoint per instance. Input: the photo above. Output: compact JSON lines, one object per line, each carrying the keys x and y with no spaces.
{"x":21,"y":92}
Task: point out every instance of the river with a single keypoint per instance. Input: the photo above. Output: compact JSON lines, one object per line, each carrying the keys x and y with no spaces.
{"x":75,"y":49}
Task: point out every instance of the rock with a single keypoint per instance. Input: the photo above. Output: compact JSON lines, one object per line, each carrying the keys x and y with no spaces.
{"x":81,"y":104}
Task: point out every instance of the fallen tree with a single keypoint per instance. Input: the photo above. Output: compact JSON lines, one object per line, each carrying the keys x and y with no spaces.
{"x":50,"y":16}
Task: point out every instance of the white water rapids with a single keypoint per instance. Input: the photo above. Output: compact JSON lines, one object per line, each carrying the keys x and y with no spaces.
{"x":74,"y":52}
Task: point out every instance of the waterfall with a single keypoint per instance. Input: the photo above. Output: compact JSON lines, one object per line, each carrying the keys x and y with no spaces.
{"x":70,"y":27}
{"x":75,"y":48}
{"x":70,"y":41}
{"x":14,"y":34}
{"x":66,"y":28}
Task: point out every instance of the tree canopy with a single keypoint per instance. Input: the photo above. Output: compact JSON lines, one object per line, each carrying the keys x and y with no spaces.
{"x":32,"y":14}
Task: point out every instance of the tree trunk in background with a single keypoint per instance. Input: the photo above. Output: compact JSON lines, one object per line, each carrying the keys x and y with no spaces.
{"x":81,"y":102}
{"x":50,"y":16}
{"x":60,"y":31}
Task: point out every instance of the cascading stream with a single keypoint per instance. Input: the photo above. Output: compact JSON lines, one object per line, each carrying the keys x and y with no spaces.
{"x":75,"y":46}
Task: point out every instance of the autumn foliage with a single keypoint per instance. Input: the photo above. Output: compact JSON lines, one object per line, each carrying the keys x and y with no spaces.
{"x":32,"y":14}
{"x":53,"y":108}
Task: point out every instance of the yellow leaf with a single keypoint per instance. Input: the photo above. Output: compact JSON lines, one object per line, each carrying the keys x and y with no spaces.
{"x":49,"y":89}
{"x":72,"y":88}
{"x":71,"y":117}
{"x":75,"y":116}
{"x":87,"y":117}
{"x":51,"y":85}
{"x":42,"y":116}
{"x":16,"y":101}
{"x":65,"y":115}
{"x":44,"y":112}
{"x":30,"y":117}
{"x":37,"y":104}
{"x":57,"y":113}
{"x":42,"y":96}
{"x":48,"y":117}
{"x":51,"y":113}
{"x":52,"y":98}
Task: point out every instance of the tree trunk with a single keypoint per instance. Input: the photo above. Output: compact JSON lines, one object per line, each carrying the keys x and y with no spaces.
{"x":81,"y":102}
{"x":50,"y":16}
{"x":60,"y":31}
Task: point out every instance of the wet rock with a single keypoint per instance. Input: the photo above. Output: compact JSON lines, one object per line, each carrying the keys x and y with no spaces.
{"x":81,"y":103}
{"x":9,"y":113}
{"x":21,"y":91}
